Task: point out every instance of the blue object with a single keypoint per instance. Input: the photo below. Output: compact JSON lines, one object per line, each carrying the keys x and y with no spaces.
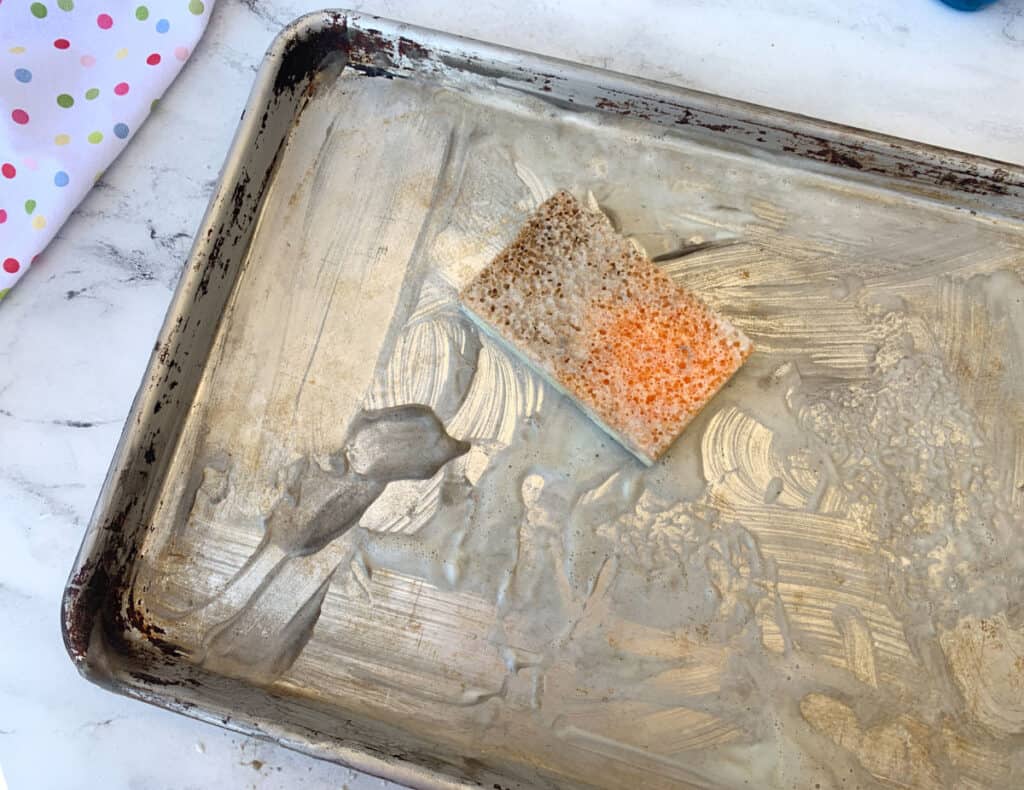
{"x":968,"y":5}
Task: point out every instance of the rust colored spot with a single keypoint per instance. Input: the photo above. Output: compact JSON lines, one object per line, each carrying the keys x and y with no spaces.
{"x":408,"y":48}
{"x":834,"y":157}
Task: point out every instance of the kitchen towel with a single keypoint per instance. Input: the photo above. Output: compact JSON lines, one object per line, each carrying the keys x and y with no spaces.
{"x":77,"y":78}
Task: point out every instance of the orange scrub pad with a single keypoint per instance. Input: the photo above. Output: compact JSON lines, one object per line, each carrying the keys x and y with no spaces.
{"x":641,"y":355}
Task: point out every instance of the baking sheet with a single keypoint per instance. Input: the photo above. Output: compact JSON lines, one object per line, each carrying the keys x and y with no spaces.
{"x":819,"y":585}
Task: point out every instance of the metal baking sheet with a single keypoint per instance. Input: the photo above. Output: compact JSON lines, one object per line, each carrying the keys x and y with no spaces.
{"x":340,"y":518}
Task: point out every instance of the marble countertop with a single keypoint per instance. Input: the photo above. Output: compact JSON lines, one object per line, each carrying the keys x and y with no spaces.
{"x":77,"y":331}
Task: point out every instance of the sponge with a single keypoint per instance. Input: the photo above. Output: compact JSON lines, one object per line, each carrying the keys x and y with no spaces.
{"x":604,"y":325}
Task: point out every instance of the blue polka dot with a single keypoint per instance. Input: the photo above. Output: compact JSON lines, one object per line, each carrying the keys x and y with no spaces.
{"x":163,"y":26}
{"x":23,"y":75}
{"x":61,"y":179}
{"x":120,"y":130}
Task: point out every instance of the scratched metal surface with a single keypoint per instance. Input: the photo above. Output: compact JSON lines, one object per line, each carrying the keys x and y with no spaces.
{"x":340,"y":517}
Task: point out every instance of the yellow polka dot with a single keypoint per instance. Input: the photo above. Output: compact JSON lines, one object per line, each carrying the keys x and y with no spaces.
{"x":121,"y":54}
{"x":39,"y":222}
{"x":62,"y":139}
{"x":98,"y":176}
{"x":16,"y":50}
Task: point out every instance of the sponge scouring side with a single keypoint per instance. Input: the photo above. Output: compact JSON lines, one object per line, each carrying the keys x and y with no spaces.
{"x":602,"y":323}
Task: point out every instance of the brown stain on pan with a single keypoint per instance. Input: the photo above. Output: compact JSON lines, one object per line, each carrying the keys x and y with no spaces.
{"x":853,"y":156}
{"x":373,"y":53}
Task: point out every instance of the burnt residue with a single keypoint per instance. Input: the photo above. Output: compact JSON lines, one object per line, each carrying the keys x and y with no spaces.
{"x":99,"y":597}
{"x":137,"y":620}
{"x":95,"y":590}
{"x":833,"y":157}
{"x":303,"y":56}
{"x":370,"y":51}
{"x":153,"y":680}
{"x":364,"y":49}
{"x":244,"y":208}
{"x":372,"y":71}
{"x":408,"y":48}
{"x":82,"y":600}
{"x":968,"y":178}
{"x":116,"y":523}
{"x":621,"y":108}
{"x":913,"y":163}
{"x":100,"y":591}
{"x":474,"y":64}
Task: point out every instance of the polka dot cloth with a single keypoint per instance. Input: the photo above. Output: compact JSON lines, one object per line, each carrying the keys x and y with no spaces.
{"x":77,"y":78}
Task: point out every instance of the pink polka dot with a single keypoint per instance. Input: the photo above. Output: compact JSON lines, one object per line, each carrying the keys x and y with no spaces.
{"x":121,"y":88}
{"x":181,"y":53}
{"x":3,"y":216}
{"x":11,"y":265}
{"x":153,"y":60}
{"x":8,"y":171}
{"x":30,"y":163}
{"x":105,"y":21}
{"x":19,"y":116}
{"x":88,"y":61}
{"x":62,"y":43}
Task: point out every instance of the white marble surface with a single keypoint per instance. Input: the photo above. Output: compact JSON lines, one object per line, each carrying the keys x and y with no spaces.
{"x":76,"y":333}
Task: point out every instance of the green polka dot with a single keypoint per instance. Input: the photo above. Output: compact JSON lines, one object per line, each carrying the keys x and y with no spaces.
{"x":3,"y":293}
{"x":196,"y":7}
{"x":92,"y":93}
{"x":39,"y":10}
{"x":30,"y":206}
{"x":65,"y":5}
{"x":95,"y":137}
{"x":153,"y":104}
{"x":65,"y":100}
{"x":142,"y":13}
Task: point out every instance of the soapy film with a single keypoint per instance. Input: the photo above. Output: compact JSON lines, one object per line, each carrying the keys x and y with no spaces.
{"x":821,"y":583}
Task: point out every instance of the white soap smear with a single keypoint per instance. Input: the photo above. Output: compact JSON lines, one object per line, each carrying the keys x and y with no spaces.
{"x":819,"y":585}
